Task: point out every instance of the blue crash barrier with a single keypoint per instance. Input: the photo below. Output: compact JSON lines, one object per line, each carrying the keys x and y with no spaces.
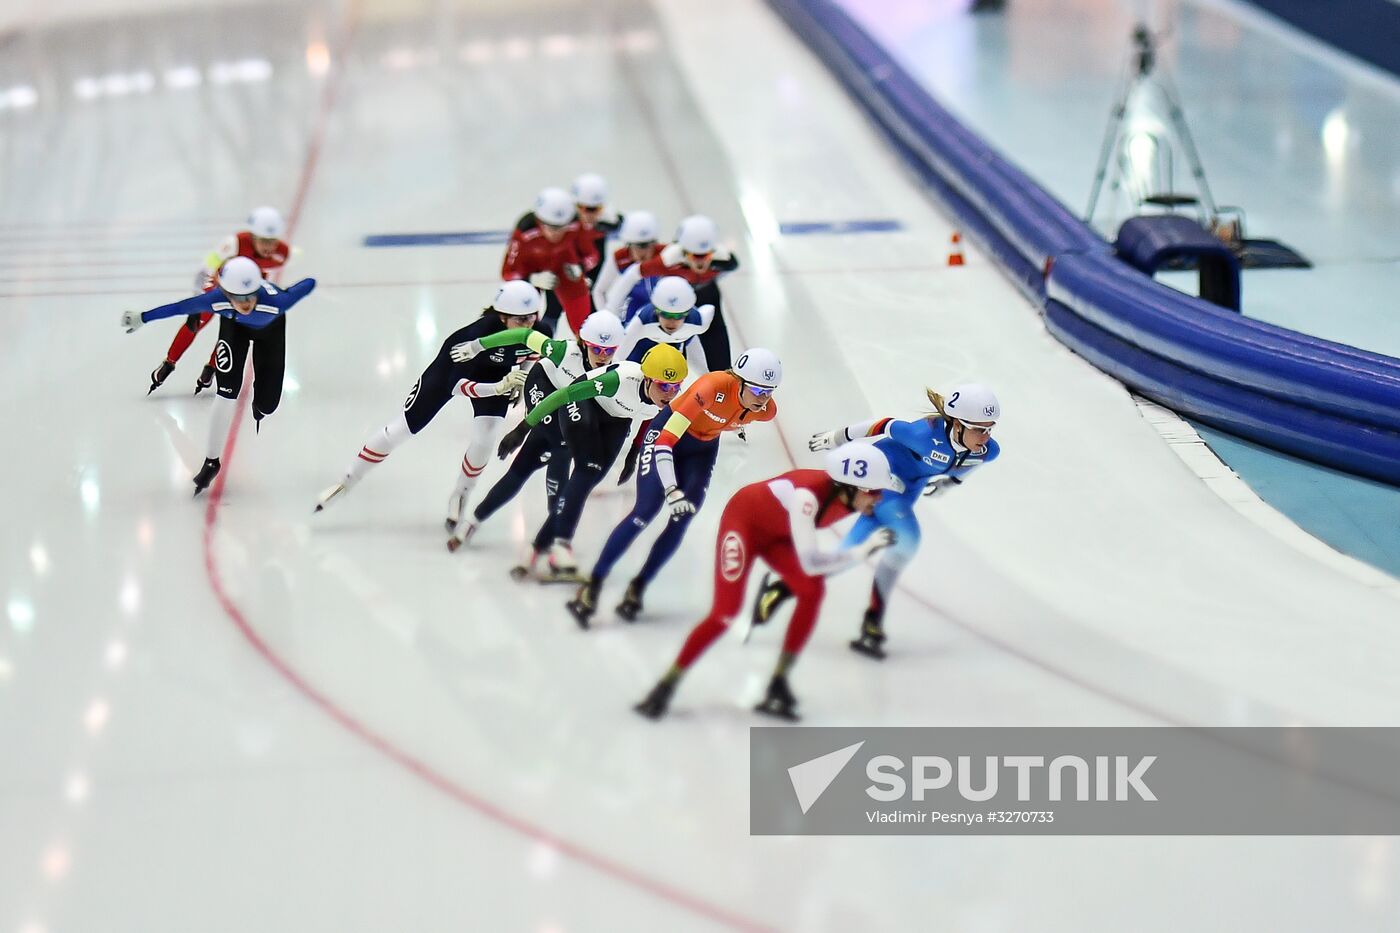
{"x":1323,"y":401}
{"x":1296,"y":429}
{"x":1250,"y":354}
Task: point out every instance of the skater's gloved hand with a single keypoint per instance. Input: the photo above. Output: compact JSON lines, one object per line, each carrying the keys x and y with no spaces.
{"x":678,"y":503}
{"x":721,"y":253}
{"x":573,"y":271}
{"x":544,"y":281}
{"x":672,"y":254}
{"x":881,"y":539}
{"x":513,"y":439}
{"x":461,"y":352}
{"x":940,"y":484}
{"x":742,"y":433}
{"x":131,"y":320}
{"x":511,"y":384}
{"x":629,"y":465}
{"x":823,"y":440}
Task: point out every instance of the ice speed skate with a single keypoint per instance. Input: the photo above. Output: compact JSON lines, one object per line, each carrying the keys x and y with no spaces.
{"x":655,"y":703}
{"x":462,"y":537}
{"x":206,"y":474}
{"x":631,"y":605}
{"x":205,"y":380}
{"x":779,"y":702}
{"x":160,"y":374}
{"x":872,"y":638}
{"x":584,"y":604}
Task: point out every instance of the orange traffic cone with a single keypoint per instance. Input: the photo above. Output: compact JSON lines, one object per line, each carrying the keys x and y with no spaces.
{"x":955,"y":253}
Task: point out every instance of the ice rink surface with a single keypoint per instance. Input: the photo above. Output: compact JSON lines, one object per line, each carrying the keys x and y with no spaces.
{"x":225,"y":715}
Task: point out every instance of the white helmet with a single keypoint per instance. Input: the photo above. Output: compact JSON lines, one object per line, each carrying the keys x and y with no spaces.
{"x":554,"y":207}
{"x":863,"y":465}
{"x":697,"y":234}
{"x":972,"y":401}
{"x":240,"y":277}
{"x":266,"y":222}
{"x":760,"y":367}
{"x":517,"y":298}
{"x":638,"y":227}
{"x":590,"y":190}
{"x":602,"y":329}
{"x":673,"y":295}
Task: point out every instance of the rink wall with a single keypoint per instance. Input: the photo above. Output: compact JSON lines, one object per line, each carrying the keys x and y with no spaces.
{"x":1322,"y":401}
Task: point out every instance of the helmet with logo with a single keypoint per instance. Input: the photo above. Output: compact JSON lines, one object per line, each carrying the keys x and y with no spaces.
{"x":266,"y":222}
{"x":673,"y":296}
{"x":240,"y":277}
{"x":590,"y":190}
{"x":972,"y":402}
{"x":697,"y":234}
{"x":863,"y":465}
{"x":602,"y":329}
{"x":517,"y":298}
{"x":759,"y":367}
{"x":664,"y":363}
{"x":638,"y":227}
{"x":553,"y":206}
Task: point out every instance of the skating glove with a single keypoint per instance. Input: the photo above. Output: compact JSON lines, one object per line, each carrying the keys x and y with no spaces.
{"x":573,"y":271}
{"x":131,"y":320}
{"x":672,"y":254}
{"x":629,"y":465}
{"x":721,"y":253}
{"x":825,"y":440}
{"x":511,"y":384}
{"x":461,"y":352}
{"x":544,"y":281}
{"x":513,"y":439}
{"x":678,"y":503}
{"x":940,"y":484}
{"x":881,"y":539}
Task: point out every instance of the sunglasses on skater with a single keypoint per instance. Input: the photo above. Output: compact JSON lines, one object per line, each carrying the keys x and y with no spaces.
{"x":672,"y":315}
{"x":971,"y":426}
{"x":760,"y":391}
{"x":600,"y":351}
{"x":667,"y":386}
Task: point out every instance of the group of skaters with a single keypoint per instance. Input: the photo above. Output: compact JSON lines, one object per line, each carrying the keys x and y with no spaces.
{"x":616,"y":349}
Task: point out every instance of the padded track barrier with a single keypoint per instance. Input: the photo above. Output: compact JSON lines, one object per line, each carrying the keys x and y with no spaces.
{"x":1319,"y":400}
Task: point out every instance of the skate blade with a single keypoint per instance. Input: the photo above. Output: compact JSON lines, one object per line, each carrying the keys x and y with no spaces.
{"x":581,"y":616}
{"x":522,"y":574}
{"x":777,"y":712}
{"x":650,"y":712}
{"x":870,"y":651}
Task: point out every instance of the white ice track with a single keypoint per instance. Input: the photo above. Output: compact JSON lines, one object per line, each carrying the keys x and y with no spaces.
{"x":333,"y":725}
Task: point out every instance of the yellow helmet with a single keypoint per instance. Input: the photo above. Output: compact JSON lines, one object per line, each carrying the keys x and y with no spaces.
{"x":664,"y":363}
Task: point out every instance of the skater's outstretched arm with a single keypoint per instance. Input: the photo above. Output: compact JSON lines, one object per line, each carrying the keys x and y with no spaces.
{"x":552,"y":350}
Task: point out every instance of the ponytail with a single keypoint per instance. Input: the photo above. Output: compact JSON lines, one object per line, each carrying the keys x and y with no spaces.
{"x":937,"y":402}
